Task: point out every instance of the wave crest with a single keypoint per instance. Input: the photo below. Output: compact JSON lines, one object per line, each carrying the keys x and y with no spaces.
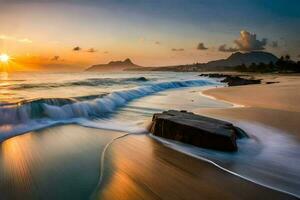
{"x":91,"y":82}
{"x":68,"y":109}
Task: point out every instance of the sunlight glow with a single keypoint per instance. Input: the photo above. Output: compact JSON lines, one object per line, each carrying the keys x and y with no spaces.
{"x":4,"y":58}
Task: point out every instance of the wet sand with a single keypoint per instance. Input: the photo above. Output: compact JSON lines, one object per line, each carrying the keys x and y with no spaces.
{"x":143,"y":168}
{"x":284,"y":95}
{"x":275,"y":105}
{"x":63,"y":162}
{"x":58,"y":163}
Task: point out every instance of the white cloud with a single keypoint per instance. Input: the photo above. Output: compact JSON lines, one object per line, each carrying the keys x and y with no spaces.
{"x":249,"y":42}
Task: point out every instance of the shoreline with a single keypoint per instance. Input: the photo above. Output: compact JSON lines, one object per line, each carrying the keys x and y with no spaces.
{"x":234,"y":105}
{"x":171,"y":146}
{"x":201,"y":159}
{"x":135,"y":162}
{"x":132,"y":164}
{"x":275,"y":105}
{"x":288,"y":85}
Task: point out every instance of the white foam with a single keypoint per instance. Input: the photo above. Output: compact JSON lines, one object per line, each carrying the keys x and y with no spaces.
{"x":15,"y":120}
{"x":234,"y":105}
{"x":114,"y":125}
{"x":271,"y":158}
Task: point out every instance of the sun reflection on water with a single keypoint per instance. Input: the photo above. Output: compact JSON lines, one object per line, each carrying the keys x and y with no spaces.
{"x":15,"y":162}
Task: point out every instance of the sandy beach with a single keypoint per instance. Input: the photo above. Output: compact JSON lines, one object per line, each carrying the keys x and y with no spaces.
{"x":138,"y":159}
{"x":145,"y":169}
{"x":64,"y":162}
{"x":275,"y":105}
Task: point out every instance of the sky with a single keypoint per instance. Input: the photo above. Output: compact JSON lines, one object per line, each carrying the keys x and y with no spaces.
{"x":74,"y":34}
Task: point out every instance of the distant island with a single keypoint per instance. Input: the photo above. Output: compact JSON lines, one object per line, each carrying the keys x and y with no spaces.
{"x":255,"y":61}
{"x":227,"y":64}
{"x":114,"y":66}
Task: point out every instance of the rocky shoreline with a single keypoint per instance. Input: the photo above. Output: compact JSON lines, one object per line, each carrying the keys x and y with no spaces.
{"x":233,"y":80}
{"x":199,"y":130}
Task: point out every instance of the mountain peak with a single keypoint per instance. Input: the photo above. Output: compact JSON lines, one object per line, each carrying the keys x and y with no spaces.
{"x":128,"y":61}
{"x":235,"y":54}
{"x":113,"y":65}
{"x":246,"y":58}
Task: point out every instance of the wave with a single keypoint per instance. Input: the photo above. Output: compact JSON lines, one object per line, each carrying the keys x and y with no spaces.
{"x":59,"y":110}
{"x":91,"y":82}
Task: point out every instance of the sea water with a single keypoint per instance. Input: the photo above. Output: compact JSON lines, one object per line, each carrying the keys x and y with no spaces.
{"x":126,"y":102}
{"x":30,"y":101}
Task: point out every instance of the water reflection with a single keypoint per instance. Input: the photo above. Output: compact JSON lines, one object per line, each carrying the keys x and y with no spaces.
{"x":124,"y":171}
{"x":17,"y":173}
{"x":56,"y":163}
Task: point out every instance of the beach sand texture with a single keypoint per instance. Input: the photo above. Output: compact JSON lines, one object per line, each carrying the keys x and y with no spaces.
{"x":276,"y":105}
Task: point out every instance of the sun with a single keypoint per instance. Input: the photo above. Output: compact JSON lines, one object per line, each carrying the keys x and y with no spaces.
{"x":4,"y":58}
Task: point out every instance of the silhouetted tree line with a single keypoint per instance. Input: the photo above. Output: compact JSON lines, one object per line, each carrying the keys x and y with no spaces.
{"x":283,"y":64}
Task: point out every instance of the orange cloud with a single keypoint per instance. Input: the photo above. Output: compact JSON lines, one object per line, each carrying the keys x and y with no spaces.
{"x":15,"y":39}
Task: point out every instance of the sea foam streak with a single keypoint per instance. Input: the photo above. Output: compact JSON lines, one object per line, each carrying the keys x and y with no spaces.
{"x":270,"y":157}
{"x":16,"y":119}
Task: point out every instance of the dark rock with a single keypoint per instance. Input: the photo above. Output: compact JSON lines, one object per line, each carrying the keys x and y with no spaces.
{"x":142,"y":79}
{"x":232,"y":80}
{"x":197,"y":130}
{"x":236,"y":81}
{"x":214,"y":75}
{"x":272,"y":82}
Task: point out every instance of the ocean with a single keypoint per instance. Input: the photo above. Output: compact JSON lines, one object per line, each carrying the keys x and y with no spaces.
{"x":30,"y":101}
{"x":48,"y":107}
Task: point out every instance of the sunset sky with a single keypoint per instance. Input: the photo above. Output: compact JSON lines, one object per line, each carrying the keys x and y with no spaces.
{"x":74,"y":34}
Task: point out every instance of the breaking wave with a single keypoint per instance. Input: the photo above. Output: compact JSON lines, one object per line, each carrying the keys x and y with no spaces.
{"x":45,"y":112}
{"x":91,"y":82}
